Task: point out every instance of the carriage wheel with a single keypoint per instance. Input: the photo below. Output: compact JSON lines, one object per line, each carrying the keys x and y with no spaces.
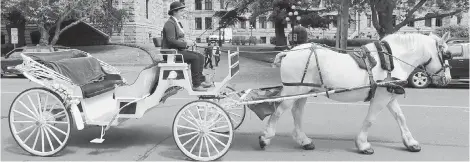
{"x":39,"y":122}
{"x":193,"y":130}
{"x":236,"y":113}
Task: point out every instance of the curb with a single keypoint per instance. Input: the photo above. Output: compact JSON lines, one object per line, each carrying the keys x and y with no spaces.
{"x":120,"y":64}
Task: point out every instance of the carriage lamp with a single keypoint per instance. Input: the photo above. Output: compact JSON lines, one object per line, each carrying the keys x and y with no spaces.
{"x":173,"y":75}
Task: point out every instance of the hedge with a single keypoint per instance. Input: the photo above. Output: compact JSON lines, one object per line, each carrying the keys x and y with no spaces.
{"x":351,"y":42}
{"x":460,"y":31}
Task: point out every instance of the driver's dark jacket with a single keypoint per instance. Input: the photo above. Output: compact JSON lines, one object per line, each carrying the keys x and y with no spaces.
{"x":172,"y":37}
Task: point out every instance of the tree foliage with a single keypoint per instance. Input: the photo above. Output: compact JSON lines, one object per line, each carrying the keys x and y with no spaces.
{"x":49,"y":15}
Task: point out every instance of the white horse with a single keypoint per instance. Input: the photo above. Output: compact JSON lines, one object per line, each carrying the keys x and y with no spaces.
{"x":341,"y":71}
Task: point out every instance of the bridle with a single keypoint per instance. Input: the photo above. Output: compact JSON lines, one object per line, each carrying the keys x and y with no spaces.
{"x":442,"y":58}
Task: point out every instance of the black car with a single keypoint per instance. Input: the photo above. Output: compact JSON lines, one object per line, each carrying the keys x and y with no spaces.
{"x":459,"y":48}
{"x":13,"y":58}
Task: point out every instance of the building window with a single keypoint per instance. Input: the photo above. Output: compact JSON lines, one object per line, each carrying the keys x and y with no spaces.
{"x":438,"y":21}
{"x":273,"y":24}
{"x":222,"y":4}
{"x":182,"y":1}
{"x":243,"y":24}
{"x":369,"y":21}
{"x":198,"y":4}
{"x":263,"y":40}
{"x":427,"y":22}
{"x":263,"y":22}
{"x":147,"y":9}
{"x":198,"y":40}
{"x":208,"y":22}
{"x":253,"y":23}
{"x":394,"y":20}
{"x":459,"y":19}
{"x":3,"y":38}
{"x":208,"y":5}
{"x":198,"y":23}
{"x":411,"y":23}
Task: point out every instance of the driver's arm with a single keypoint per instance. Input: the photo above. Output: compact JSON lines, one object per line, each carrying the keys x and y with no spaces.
{"x":170,"y":30}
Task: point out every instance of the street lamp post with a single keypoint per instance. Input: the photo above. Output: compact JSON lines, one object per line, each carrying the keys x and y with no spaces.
{"x":251,"y":35}
{"x":294,"y":15}
{"x":418,"y":28}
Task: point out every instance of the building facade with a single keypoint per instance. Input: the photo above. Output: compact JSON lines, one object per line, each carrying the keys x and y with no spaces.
{"x":147,"y":18}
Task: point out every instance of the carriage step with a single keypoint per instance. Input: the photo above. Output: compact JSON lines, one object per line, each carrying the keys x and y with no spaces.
{"x":97,"y":140}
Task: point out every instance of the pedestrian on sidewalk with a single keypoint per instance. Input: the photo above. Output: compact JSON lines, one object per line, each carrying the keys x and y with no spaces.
{"x":208,"y":55}
{"x":217,"y":55}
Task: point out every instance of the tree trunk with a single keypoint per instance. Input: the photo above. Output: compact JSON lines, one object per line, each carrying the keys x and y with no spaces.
{"x":344,"y":24}
{"x":44,"y":35}
{"x":384,"y":10}
{"x":280,"y":35}
{"x":338,"y":29}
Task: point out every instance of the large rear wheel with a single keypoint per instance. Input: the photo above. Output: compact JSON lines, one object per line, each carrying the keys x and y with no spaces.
{"x":39,"y":122}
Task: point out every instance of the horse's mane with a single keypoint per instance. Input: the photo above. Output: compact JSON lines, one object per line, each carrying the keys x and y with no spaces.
{"x":413,"y":41}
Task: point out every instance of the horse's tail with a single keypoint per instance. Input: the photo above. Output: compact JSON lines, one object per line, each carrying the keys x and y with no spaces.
{"x":278,"y":59}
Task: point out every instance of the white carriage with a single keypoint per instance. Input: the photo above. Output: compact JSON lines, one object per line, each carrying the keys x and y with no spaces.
{"x":41,"y":118}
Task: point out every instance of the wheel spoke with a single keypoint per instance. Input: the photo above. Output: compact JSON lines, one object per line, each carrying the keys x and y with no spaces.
{"x":29,"y":110}
{"x":220,"y":134}
{"x":234,"y":114}
{"x":194,"y":118}
{"x":36,"y":140}
{"x":217,"y":140}
{"x":187,"y":127}
{"x":24,"y":121}
{"x":207,"y":146}
{"x":220,"y":117}
{"x":34,"y":106}
{"x":53,"y":135}
{"x":48,"y":139}
{"x":187,"y":134}
{"x":45,"y":103}
{"x":55,"y":116}
{"x":212,"y":143}
{"x":25,"y":129}
{"x":191,"y":139}
{"x":42,"y":139}
{"x":192,"y":148}
{"x":225,"y":126}
{"x":30,"y":135}
{"x":197,"y":126}
{"x":39,"y":104}
{"x":57,"y":122}
{"x":198,"y":114}
{"x":57,"y":129}
{"x":25,"y":115}
{"x":200,"y":146}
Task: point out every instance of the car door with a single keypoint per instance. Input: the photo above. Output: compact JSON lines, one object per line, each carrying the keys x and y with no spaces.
{"x":11,"y":60}
{"x":459,"y":62}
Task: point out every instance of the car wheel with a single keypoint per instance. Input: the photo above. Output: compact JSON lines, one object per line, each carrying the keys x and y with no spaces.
{"x":419,"y":79}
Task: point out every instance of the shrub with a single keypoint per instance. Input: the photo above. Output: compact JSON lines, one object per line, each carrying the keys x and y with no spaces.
{"x":252,"y":40}
{"x":272,"y":40}
{"x":460,"y":31}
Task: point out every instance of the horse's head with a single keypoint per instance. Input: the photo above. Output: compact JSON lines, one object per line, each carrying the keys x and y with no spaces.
{"x":437,"y":66}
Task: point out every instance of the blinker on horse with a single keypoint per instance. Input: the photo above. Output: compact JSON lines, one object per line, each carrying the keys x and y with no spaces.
{"x":333,"y":70}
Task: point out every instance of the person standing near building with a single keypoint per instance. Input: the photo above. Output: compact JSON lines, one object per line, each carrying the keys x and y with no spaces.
{"x":208,"y":51}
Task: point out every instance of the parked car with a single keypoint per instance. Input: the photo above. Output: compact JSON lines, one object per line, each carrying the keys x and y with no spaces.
{"x":459,"y":48}
{"x":13,"y":58}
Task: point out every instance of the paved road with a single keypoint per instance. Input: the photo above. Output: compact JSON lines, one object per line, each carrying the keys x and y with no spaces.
{"x":438,"y":119}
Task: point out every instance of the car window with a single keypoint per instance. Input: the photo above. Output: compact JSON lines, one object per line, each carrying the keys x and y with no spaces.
{"x":15,"y":55}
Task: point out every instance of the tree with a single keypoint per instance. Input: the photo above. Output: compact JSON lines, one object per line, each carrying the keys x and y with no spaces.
{"x":277,"y":10}
{"x":382,"y":12}
{"x":49,"y":15}
{"x":14,"y":19}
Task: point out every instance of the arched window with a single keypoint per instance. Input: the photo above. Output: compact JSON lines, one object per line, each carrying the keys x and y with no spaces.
{"x":427,"y":22}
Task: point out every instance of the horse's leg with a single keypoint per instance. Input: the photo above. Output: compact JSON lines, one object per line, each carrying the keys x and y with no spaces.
{"x":270,"y":131}
{"x":298,"y":135}
{"x":376,"y":106}
{"x":408,"y":140}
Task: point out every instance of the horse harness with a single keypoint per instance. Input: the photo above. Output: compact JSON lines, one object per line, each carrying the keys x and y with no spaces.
{"x":386,"y":59}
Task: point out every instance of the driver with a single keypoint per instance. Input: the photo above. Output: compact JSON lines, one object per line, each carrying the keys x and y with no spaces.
{"x":173,"y":35}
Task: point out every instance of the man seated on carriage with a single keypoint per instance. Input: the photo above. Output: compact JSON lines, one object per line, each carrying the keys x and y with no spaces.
{"x":173,"y":38}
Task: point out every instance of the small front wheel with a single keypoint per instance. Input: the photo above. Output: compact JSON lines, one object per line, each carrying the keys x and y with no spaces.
{"x":39,"y":122}
{"x":196,"y":127}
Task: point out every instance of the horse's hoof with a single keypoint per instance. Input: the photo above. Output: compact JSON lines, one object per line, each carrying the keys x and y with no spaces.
{"x":309,"y":146}
{"x":262,"y":144}
{"x":415,"y":148}
{"x":368,"y":151}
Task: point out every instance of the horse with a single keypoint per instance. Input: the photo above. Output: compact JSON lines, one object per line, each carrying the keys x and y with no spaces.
{"x":340,"y":71}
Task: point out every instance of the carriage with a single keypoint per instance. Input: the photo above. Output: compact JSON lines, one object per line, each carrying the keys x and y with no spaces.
{"x":202,"y":129}
{"x":80,"y":90}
